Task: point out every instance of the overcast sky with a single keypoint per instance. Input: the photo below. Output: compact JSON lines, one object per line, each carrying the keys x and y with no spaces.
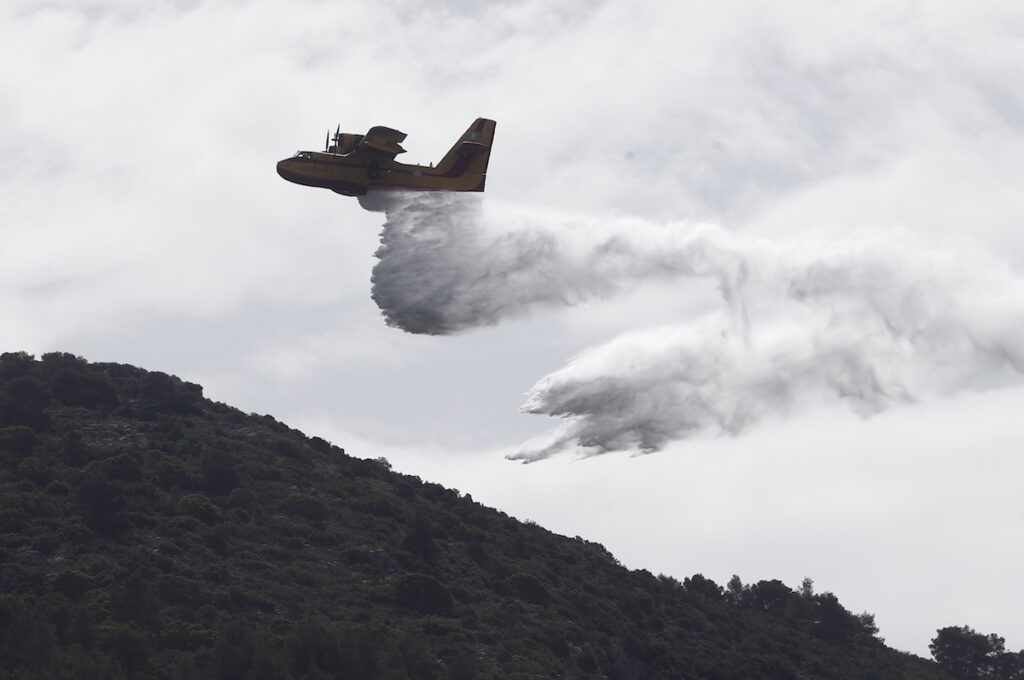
{"x":747,"y":283}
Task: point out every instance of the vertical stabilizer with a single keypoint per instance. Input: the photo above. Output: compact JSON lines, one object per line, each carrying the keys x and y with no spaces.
{"x":468,"y":158}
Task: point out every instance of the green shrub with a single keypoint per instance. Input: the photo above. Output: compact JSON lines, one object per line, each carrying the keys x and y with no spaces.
{"x":424,"y":594}
{"x":217,"y":473}
{"x":200,"y":507}
{"x":306,"y":507}
{"x":172,"y":473}
{"x":122,"y":466}
{"x":17,"y":439}
{"x":76,"y":387}
{"x":36,"y":471}
{"x":529,"y":589}
{"x":245,"y":499}
{"x":14,"y":364}
{"x":100,"y":503}
{"x":73,"y":583}
{"x":23,"y":401}
{"x":45,"y":543}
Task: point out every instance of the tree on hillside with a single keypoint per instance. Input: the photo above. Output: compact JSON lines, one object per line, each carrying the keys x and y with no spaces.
{"x":834,"y":621}
{"x":735,"y":591}
{"x":705,"y":587}
{"x":968,"y":654}
{"x":768,"y":596}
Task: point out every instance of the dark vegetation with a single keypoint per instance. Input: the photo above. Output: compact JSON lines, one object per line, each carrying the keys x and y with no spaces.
{"x":970,"y":655}
{"x":146,"y":532}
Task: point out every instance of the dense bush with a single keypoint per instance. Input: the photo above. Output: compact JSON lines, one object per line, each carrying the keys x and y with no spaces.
{"x":424,"y":594}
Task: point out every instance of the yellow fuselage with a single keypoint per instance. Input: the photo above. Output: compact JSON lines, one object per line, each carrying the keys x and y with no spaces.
{"x":354,"y":173}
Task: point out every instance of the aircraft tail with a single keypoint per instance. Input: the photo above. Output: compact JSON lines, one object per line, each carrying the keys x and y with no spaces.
{"x":467,"y":159}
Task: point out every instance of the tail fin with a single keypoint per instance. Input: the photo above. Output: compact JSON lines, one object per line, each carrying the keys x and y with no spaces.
{"x":468,"y":158}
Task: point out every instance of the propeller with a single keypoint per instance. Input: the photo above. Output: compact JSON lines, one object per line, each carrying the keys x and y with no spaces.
{"x":337,"y":138}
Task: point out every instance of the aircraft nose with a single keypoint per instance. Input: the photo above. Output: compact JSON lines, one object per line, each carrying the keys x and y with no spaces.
{"x":297,"y":173}
{"x":284,"y":171}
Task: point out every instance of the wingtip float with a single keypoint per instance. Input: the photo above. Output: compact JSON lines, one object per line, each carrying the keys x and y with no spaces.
{"x":354,"y":164}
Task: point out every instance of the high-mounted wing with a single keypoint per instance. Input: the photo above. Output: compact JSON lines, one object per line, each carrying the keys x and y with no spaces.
{"x":382,"y":141}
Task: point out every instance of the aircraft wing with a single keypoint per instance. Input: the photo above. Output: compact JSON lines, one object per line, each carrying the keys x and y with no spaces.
{"x":382,"y":141}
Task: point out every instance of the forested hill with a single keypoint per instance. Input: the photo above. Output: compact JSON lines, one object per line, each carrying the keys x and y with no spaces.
{"x":147,"y":532}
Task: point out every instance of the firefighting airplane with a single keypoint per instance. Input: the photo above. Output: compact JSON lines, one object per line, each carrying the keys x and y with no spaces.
{"x":354,"y":164}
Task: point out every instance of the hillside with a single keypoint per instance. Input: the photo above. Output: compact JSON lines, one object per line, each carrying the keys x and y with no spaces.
{"x":147,"y":532}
